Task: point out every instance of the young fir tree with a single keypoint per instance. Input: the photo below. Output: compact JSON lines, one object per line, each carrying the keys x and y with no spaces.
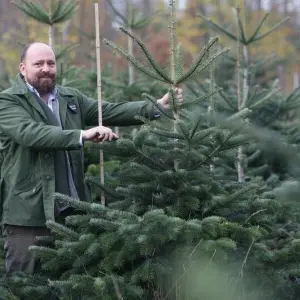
{"x":269,"y":108}
{"x":270,"y":161}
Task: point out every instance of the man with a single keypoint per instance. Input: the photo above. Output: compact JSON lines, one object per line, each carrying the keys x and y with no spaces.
{"x":42,"y":131}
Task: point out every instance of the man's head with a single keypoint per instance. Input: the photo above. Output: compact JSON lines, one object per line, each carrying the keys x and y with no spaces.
{"x":38,"y":67}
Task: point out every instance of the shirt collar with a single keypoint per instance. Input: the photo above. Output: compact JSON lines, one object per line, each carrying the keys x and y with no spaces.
{"x":52,"y":96}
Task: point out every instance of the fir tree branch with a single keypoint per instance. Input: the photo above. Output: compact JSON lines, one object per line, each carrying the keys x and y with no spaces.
{"x":225,"y":98}
{"x":62,"y":230}
{"x":95,"y":180}
{"x":251,"y":39}
{"x":148,"y":55}
{"x":183,"y":128}
{"x":112,"y":83}
{"x":169,"y":134}
{"x":218,"y":27}
{"x":254,"y":156}
{"x":141,"y":23}
{"x":226,"y":199}
{"x":242,"y":38}
{"x":78,"y":220}
{"x":179,"y":62}
{"x":203,"y":133}
{"x":31,"y":10}
{"x":199,"y":69}
{"x":172,"y":38}
{"x":192,"y":89}
{"x":271,"y":30}
{"x":200,"y":99}
{"x":169,"y":145}
{"x":291,"y":95}
{"x":84,"y":206}
{"x":197,"y":61}
{"x":258,"y":171}
{"x":117,"y":13}
{"x":252,"y":97}
{"x":104,"y":224}
{"x":57,"y":10}
{"x":122,"y":52}
{"x":267,"y":97}
{"x":148,"y":171}
{"x":60,"y":54}
{"x":269,"y":58}
{"x":43,"y":252}
{"x":35,"y":10}
{"x":194,"y":128}
{"x":240,"y":114}
{"x":65,"y":11}
{"x":173,"y":102}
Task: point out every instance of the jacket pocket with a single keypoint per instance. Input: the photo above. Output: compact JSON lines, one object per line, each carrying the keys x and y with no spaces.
{"x":30,"y":183}
{"x":26,"y":206}
{"x":29,"y":190}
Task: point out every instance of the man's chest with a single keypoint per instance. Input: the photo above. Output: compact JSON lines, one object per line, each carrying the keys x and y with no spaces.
{"x":65,"y":109}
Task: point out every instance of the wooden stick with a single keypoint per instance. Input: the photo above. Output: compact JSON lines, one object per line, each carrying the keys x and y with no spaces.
{"x":173,"y":41}
{"x":99,"y":95}
{"x":51,"y":29}
{"x":130,"y":42}
{"x":240,"y":169}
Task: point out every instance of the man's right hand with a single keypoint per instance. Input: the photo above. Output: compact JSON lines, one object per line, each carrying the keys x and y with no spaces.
{"x":98,"y":134}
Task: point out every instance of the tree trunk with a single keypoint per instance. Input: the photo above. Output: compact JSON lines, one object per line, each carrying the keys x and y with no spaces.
{"x":296,"y":80}
{"x":130,"y":43}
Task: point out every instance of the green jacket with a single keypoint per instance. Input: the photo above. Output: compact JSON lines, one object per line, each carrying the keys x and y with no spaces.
{"x":27,"y":145}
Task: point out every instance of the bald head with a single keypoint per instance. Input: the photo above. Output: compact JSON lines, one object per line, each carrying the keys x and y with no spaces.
{"x":36,"y":45}
{"x":38,"y":67}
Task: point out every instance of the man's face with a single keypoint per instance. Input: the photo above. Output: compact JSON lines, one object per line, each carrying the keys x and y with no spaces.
{"x":39,"y":68}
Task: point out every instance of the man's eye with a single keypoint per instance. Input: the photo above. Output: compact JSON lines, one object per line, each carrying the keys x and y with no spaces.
{"x":37,"y":64}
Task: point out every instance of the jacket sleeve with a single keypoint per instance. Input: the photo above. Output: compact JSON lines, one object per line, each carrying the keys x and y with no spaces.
{"x":16,"y":123}
{"x":115,"y":114}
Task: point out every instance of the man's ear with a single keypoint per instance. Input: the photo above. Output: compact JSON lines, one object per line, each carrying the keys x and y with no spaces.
{"x":22,"y":69}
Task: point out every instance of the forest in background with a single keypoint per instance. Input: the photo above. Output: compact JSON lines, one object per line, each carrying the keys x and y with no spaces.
{"x":16,"y":30}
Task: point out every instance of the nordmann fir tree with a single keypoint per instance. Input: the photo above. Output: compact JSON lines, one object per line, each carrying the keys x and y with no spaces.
{"x":169,"y":202}
{"x":244,"y":90}
{"x":264,"y":161}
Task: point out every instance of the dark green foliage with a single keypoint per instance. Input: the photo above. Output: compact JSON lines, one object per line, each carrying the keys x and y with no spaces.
{"x":62,"y":11}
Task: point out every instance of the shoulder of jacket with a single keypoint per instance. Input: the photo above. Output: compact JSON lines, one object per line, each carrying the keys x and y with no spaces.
{"x":67,"y":91}
{"x":7,"y":91}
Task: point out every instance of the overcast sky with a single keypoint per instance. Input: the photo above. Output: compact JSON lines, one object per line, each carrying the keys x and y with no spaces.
{"x":265,"y":3}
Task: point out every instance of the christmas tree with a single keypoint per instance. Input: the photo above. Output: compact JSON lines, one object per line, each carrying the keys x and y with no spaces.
{"x":268,"y":161}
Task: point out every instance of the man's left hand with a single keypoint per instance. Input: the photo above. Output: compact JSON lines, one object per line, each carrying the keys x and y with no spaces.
{"x":164,"y":101}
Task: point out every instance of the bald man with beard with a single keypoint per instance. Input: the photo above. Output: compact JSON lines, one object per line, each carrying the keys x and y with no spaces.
{"x":42,"y":132}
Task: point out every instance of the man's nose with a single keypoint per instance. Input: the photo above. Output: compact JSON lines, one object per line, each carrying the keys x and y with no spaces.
{"x":45,"y":68}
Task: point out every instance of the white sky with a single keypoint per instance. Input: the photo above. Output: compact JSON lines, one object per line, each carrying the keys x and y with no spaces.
{"x":265,"y":3}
